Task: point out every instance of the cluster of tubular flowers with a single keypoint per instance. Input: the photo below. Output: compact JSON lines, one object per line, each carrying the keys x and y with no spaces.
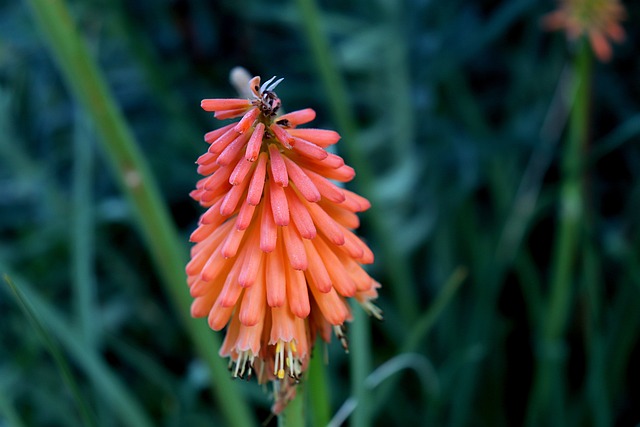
{"x":599,"y":20}
{"x":274,"y":258}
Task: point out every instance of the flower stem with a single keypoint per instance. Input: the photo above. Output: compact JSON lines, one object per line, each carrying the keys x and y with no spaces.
{"x":396,"y":265}
{"x":547,"y":400}
{"x":293,"y":414}
{"x":360,"y":367}
{"x":87,"y":84}
{"x":320,"y":410}
{"x":87,"y":416}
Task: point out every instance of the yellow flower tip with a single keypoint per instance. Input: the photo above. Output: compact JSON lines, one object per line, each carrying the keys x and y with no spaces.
{"x":598,"y":20}
{"x":275,"y":256}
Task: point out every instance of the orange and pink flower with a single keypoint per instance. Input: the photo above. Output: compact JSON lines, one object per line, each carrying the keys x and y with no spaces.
{"x":599,"y":20}
{"x":275,"y":258}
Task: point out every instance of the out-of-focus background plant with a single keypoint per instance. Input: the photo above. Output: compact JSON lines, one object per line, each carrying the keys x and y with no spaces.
{"x":509,"y":261}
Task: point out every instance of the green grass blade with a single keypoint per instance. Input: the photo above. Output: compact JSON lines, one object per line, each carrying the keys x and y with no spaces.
{"x":424,"y":325}
{"x":87,"y":84}
{"x":109,"y":386}
{"x":82,"y":230}
{"x":318,"y":394}
{"x":360,"y":347}
{"x":8,"y":413}
{"x":397,"y":266}
{"x":84,"y":410}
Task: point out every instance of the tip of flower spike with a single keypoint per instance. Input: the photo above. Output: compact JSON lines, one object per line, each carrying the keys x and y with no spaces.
{"x":239,"y":77}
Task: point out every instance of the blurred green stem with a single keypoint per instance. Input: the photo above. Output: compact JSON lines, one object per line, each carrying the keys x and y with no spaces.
{"x":318,"y":395}
{"x":396,"y":265}
{"x":87,"y":84}
{"x":547,"y":399}
{"x":123,"y":405}
{"x":421,"y":329}
{"x":82,"y":230}
{"x":360,"y":345}
{"x":293,"y":414}
{"x":85,"y":412}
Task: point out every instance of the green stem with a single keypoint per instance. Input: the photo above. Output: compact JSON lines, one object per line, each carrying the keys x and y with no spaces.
{"x":397,"y":265}
{"x":85,"y":412}
{"x":318,"y":394}
{"x":87,"y":84}
{"x":421,"y":329}
{"x":293,"y":414}
{"x":546,"y":405}
{"x":82,"y":230}
{"x":360,"y":346}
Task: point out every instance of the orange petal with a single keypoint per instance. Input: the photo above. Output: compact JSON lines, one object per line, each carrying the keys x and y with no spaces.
{"x":327,"y":225}
{"x":219,"y":317}
{"x":249,"y":337}
{"x":327,"y":189}
{"x":212,"y":215}
{"x":317,"y":269}
{"x":616,"y":32}
{"x":282,"y":135}
{"x":342,"y":216}
{"x":213,"y":269}
{"x":297,"y":293}
{"x":283,"y":325}
{"x":252,"y":264}
{"x":355,"y":248}
{"x":244,"y":216}
{"x":232,"y":151}
{"x":209,"y":137}
{"x":231,"y":337}
{"x":231,"y":289}
{"x":255,"y":143}
{"x":232,"y":243}
{"x":256,"y":185}
{"x":221,"y":143}
{"x":355,"y":202}
{"x":275,"y":279}
{"x":268,"y":230}
{"x":600,"y":46}
{"x":309,"y":149}
{"x":320,"y":137}
{"x":254,"y":302}
{"x":231,"y":199}
{"x":298,"y":117}
{"x":300,"y":215}
{"x":294,"y":248}
{"x":229,"y":114}
{"x":302,"y":182}
{"x":278,"y":202}
{"x":278,"y":168}
{"x":240,"y":172}
{"x":247,"y":120}
{"x":218,"y":179}
{"x":201,"y":306}
{"x":340,"y":279}
{"x":224,"y":104}
{"x":331,"y":306}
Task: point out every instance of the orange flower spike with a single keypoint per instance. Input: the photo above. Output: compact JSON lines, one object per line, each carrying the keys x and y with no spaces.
{"x":274,"y":258}
{"x":598,"y":20}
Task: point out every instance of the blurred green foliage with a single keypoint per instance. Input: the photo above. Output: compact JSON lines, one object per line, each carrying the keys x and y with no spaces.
{"x":455,"y":116}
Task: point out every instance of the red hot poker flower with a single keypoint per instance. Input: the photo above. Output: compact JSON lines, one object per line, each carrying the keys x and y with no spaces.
{"x":599,"y":20}
{"x":275,"y":257}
